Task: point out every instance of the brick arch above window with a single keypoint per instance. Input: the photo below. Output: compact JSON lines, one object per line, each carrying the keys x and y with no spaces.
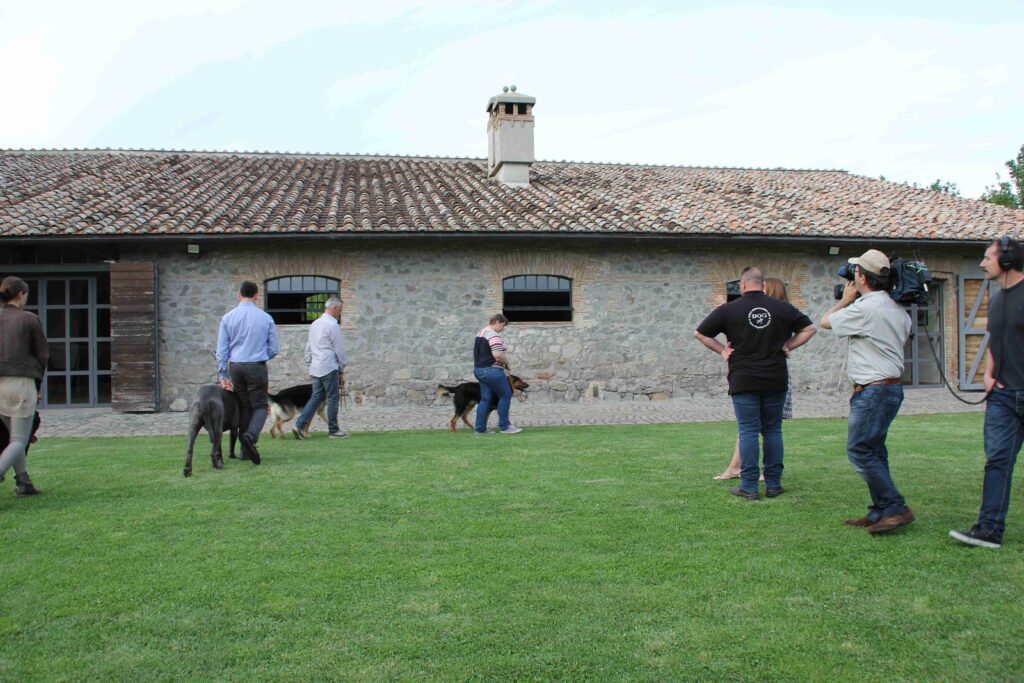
{"x":721,"y":268}
{"x":324,"y":262}
{"x":580,"y":269}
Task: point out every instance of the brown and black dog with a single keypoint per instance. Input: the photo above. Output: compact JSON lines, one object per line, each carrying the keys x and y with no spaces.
{"x":465,"y":396}
{"x":287,"y":404}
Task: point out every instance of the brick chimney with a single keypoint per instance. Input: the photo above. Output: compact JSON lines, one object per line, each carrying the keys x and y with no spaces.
{"x":510,"y":137}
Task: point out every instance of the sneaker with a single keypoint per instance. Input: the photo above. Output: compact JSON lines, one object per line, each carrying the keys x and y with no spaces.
{"x":512,"y":429}
{"x":981,"y":538}
{"x":297,"y":433}
{"x":892,"y":522}
{"x":338,"y":435}
{"x":737,"y":491}
{"x":774,"y":492}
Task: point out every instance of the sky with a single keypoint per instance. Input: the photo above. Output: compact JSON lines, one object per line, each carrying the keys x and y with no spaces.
{"x":913,"y":91}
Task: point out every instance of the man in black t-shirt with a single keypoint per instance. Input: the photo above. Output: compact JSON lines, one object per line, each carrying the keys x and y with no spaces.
{"x":761,"y":331}
{"x":1004,"y":381}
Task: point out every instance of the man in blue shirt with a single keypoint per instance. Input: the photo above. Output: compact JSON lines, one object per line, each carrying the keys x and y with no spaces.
{"x":246,"y":341}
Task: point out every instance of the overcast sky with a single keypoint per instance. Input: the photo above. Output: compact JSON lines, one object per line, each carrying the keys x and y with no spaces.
{"x":927,"y":91}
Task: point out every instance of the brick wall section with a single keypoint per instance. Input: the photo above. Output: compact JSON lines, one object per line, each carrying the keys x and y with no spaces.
{"x":412,"y":309}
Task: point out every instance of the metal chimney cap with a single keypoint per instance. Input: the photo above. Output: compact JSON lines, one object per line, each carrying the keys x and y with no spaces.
{"x":509,"y":94}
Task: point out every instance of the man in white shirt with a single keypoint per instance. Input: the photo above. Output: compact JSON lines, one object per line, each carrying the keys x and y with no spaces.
{"x":877,"y":328}
{"x":326,"y":360}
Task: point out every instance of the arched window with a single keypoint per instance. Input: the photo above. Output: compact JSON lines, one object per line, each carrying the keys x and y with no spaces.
{"x":298,"y":299}
{"x":537,"y":298}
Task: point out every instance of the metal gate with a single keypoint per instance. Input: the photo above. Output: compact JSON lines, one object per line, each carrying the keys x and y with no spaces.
{"x":975,"y":293}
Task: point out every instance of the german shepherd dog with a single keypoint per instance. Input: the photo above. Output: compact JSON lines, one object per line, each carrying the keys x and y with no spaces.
{"x":466,"y":396}
{"x":216,"y":409}
{"x":286,"y":405}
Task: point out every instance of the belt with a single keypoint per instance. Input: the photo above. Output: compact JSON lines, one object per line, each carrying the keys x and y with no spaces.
{"x":254,"y":362}
{"x":857,"y":388}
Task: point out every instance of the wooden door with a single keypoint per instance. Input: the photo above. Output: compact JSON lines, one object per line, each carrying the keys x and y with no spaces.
{"x":975,"y":293}
{"x":133,"y":318}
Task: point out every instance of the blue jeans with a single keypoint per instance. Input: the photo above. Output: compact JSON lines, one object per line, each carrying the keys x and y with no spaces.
{"x":760,"y":413}
{"x":1004,"y":432}
{"x":872,"y":410}
{"x":322,"y":386}
{"x":494,"y":385}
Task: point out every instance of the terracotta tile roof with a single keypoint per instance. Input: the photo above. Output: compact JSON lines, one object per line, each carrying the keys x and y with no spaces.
{"x":142,"y":193}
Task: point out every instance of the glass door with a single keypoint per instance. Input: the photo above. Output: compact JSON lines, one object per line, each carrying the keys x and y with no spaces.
{"x":75,"y":312}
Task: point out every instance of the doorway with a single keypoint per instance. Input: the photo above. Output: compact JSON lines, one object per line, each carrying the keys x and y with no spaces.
{"x":75,"y":312}
{"x":920,"y":365}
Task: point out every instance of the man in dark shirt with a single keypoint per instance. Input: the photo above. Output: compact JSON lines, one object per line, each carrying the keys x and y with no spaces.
{"x":761,"y":331}
{"x":1004,"y":381}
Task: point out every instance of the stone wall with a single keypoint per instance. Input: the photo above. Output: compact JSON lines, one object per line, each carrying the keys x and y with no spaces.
{"x":413,"y":307}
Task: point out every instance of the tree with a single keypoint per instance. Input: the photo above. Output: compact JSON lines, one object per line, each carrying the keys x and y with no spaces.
{"x":1008,"y":192}
{"x":945,"y":187}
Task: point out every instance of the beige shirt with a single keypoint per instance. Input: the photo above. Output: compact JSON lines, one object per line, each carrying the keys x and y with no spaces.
{"x":878,"y":329}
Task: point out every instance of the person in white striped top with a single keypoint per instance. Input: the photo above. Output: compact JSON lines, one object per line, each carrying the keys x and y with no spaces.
{"x":491,"y":369}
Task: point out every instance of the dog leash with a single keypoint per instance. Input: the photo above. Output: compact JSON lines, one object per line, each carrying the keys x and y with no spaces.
{"x":515,"y":392}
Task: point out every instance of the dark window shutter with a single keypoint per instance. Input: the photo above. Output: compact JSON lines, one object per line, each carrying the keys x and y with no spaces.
{"x":133,"y":322}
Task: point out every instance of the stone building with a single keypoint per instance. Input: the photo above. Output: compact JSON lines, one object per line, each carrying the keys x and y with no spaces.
{"x":606,"y":269}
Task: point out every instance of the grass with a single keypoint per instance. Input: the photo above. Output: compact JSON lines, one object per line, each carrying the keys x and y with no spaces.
{"x":600,"y":553}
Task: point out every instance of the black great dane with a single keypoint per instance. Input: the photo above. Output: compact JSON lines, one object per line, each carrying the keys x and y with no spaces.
{"x":216,"y":409}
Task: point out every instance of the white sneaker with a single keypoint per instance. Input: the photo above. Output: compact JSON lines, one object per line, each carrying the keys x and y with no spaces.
{"x":512,"y":429}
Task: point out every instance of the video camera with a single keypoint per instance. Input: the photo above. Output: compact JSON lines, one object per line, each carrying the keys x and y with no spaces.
{"x":908,"y":281}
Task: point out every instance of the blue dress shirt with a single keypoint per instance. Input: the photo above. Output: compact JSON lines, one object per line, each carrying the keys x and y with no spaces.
{"x":247,"y":335}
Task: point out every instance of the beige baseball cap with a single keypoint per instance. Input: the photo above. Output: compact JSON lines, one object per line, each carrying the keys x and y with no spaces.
{"x":872,"y":261}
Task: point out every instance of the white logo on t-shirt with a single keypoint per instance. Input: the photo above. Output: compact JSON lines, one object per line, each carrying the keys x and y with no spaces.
{"x":759,"y":318}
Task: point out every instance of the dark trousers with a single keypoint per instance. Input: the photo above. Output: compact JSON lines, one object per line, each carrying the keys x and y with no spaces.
{"x":251,"y":382}
{"x":872,"y":410}
{"x":1004,"y":433}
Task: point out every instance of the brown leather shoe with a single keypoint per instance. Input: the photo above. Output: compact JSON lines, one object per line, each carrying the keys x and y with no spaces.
{"x":860,"y":521}
{"x":892,"y":522}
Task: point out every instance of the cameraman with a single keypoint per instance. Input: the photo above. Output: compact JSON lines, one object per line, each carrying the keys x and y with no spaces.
{"x":1004,"y":380}
{"x":878,"y":328}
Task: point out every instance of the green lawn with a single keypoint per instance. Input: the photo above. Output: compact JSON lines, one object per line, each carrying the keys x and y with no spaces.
{"x":599,"y":553}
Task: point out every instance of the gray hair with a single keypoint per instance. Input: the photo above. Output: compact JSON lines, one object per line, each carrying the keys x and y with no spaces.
{"x":333,"y":302}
